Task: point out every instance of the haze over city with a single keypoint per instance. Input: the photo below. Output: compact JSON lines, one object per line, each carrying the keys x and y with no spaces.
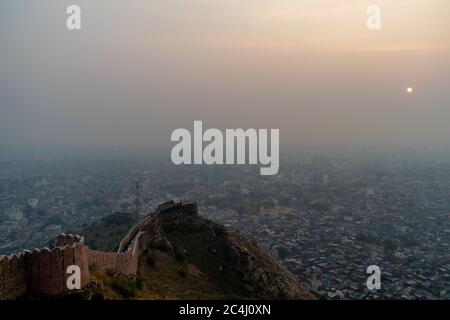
{"x":140,"y":69}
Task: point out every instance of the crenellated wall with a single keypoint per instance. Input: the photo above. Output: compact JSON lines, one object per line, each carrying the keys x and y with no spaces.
{"x":12,"y":276}
{"x":124,"y":262}
{"x":132,"y":233}
{"x":43,"y":271}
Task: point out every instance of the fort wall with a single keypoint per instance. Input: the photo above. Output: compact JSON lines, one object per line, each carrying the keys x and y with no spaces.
{"x":43,"y":271}
{"x":12,"y":276}
{"x":124,"y":262}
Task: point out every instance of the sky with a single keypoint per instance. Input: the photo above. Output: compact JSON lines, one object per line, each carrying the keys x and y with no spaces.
{"x":139,"y":69}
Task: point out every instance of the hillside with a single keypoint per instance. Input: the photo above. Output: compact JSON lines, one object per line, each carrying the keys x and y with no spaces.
{"x":190,"y":257}
{"x":106,"y":233}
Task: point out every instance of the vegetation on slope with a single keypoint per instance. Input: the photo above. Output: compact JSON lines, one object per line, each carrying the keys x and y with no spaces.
{"x":106,"y":233}
{"x":194,"y":258}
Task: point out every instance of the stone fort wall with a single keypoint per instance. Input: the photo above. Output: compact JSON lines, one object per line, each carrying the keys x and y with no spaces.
{"x":124,"y":262}
{"x":12,"y":276}
{"x":43,"y":271}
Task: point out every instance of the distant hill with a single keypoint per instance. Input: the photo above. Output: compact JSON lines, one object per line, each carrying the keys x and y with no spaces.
{"x":106,"y":233}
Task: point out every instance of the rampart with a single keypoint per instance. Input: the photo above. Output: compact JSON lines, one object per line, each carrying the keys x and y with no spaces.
{"x":125,"y":262}
{"x":44,"y":271}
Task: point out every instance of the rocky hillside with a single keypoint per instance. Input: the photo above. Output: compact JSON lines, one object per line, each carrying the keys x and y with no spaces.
{"x":190,"y":257}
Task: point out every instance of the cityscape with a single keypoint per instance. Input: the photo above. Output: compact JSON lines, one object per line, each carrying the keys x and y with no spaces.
{"x":326,"y":216}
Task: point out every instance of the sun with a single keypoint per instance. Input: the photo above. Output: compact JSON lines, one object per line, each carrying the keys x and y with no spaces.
{"x":409,"y":90}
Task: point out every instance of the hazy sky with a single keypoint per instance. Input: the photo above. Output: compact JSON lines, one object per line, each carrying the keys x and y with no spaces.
{"x":139,"y":69}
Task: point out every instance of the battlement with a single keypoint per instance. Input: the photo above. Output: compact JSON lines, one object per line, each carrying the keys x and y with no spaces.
{"x":12,"y":276}
{"x":68,"y":240}
{"x":43,"y":271}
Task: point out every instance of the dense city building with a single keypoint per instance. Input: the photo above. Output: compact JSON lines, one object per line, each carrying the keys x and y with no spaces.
{"x":327,"y":218}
